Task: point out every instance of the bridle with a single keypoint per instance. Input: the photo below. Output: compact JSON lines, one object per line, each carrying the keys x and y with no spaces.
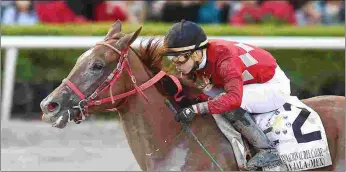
{"x":123,"y":63}
{"x":89,"y":101}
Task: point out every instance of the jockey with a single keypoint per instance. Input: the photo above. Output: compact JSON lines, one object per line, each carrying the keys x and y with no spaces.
{"x":241,"y":79}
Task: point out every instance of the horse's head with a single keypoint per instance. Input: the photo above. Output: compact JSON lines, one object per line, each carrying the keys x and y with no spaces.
{"x":94,"y":74}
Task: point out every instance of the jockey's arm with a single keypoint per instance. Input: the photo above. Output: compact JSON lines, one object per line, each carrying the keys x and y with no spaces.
{"x":233,"y":85}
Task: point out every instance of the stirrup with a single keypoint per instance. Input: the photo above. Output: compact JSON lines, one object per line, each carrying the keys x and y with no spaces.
{"x":264,"y":158}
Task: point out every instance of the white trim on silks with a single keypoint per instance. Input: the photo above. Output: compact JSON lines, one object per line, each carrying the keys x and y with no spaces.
{"x":204,"y":59}
{"x":201,"y":108}
{"x":248,"y":60}
{"x":243,"y":46}
{"x":247,"y":75}
{"x":187,"y":47}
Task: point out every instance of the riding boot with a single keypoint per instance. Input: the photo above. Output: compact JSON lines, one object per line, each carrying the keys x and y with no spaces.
{"x":266,"y":154}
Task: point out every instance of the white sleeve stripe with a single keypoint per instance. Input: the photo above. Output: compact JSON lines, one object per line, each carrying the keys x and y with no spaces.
{"x":248,"y":60}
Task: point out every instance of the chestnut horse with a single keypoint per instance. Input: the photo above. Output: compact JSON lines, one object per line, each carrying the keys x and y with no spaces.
{"x":155,"y":138}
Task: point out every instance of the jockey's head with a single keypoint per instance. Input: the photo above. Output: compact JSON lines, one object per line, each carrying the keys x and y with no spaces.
{"x":185,"y":45}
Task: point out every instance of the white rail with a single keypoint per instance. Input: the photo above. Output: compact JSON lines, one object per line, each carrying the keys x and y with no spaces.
{"x":13,"y":43}
{"x":281,"y":42}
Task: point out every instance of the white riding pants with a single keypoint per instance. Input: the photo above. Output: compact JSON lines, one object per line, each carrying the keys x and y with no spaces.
{"x":263,"y":97}
{"x":268,"y":96}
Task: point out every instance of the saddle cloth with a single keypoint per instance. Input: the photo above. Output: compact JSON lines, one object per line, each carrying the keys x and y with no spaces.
{"x":295,"y":130}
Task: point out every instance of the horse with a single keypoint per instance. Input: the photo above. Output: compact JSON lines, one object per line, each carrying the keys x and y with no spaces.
{"x":158,"y":142}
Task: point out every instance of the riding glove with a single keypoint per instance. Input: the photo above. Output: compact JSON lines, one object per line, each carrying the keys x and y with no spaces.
{"x":185,"y":115}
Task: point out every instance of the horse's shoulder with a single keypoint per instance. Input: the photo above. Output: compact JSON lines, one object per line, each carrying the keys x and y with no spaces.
{"x":331,"y":109}
{"x":327,"y":100}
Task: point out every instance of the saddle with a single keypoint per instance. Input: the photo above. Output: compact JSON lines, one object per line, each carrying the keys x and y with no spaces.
{"x":295,"y":130}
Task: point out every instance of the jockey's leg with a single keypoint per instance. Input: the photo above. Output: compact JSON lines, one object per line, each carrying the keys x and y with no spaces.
{"x":243,"y":122}
{"x":260,"y":98}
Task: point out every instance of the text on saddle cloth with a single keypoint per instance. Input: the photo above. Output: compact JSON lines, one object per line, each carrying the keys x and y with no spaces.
{"x":295,"y":130}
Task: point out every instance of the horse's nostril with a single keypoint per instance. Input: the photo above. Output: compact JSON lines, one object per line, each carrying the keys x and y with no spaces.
{"x":52,"y":106}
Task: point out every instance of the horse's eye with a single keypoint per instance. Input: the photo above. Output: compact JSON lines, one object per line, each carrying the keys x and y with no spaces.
{"x":97,"y":67}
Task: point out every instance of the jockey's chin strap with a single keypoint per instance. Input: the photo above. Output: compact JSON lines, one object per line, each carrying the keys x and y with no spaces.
{"x":123,"y":63}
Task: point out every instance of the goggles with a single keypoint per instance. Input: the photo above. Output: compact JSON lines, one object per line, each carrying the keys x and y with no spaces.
{"x":181,"y":58}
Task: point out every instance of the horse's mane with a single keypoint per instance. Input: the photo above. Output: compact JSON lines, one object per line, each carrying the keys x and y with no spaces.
{"x":150,"y":53}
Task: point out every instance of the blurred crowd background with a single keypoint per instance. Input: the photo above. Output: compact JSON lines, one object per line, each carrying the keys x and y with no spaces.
{"x":294,"y":12}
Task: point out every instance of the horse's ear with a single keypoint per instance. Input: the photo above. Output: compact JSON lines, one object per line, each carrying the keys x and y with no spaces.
{"x":129,"y":39}
{"x":115,"y":28}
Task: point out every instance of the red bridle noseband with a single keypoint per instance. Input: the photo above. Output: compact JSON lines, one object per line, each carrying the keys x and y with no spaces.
{"x":123,"y":63}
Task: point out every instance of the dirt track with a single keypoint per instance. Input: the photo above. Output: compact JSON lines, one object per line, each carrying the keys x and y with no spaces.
{"x":93,"y":145}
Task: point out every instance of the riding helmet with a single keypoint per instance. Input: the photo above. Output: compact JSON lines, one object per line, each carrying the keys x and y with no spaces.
{"x":184,"y":36}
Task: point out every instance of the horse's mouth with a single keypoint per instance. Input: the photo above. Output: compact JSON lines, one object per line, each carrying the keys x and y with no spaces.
{"x":60,"y":120}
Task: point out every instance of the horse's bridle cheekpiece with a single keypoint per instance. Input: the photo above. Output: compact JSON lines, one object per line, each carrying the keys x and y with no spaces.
{"x":123,"y":63}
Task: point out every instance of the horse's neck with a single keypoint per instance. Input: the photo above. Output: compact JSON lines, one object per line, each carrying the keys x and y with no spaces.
{"x":156,"y":139}
{"x":149,"y":126}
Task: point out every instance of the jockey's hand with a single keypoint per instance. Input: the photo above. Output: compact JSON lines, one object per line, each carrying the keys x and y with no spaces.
{"x":185,"y":115}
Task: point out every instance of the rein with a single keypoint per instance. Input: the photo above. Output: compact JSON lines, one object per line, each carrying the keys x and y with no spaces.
{"x":188,"y":129}
{"x":89,"y":101}
{"x":123,"y":63}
